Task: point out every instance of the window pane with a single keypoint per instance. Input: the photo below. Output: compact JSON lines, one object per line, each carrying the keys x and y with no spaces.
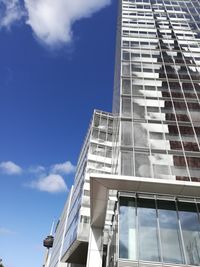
{"x":140,"y":134}
{"x":148,"y":235}
{"x":127,"y":138}
{"x":126,"y":69}
{"x":126,"y":86}
{"x":127,"y":229}
{"x":126,"y":107}
{"x":191,"y":234}
{"x":142,"y":165}
{"x":127,"y":163}
{"x":170,"y":234}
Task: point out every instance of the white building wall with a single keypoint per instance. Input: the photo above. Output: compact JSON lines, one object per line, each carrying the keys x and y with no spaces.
{"x":56,"y":251}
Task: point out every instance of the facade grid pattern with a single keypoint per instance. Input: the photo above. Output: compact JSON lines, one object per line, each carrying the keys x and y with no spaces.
{"x":160,"y":89}
{"x":151,"y":140}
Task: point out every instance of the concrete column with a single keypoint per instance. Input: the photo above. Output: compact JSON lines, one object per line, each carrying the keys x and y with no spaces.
{"x":95,"y":247}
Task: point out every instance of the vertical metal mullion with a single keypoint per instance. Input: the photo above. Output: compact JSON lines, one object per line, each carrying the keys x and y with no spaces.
{"x":198,"y":211}
{"x":131,"y":96}
{"x":158,"y":230}
{"x":198,"y":216}
{"x":181,"y":234}
{"x":137,"y":228}
{"x":117,"y":233}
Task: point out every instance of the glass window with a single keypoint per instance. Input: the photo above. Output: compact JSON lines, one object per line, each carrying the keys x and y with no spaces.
{"x":127,"y":163}
{"x":161,"y":171}
{"x":140,"y":135}
{"x":110,"y":124}
{"x":191,"y":232}
{"x":127,"y":133}
{"x":142,"y":165}
{"x":103,"y":123}
{"x":137,"y":89}
{"x":126,"y":55}
{"x":100,"y":151}
{"x":95,"y":134}
{"x":155,"y":229}
{"x":127,"y":229}
{"x":169,"y":230}
{"x":126,"y":86}
{"x":138,"y":109}
{"x":102,"y":136}
{"x":126,"y":69}
{"x":148,"y":233}
{"x":126,"y":107}
{"x":96,"y":121}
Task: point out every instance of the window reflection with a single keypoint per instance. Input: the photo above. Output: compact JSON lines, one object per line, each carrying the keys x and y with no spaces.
{"x":140,"y":135}
{"x":126,"y":133}
{"x":191,"y":232}
{"x":148,"y":235}
{"x":126,"y":86}
{"x":167,"y":231}
{"x":127,"y":228}
{"x":142,"y":165}
{"x":127,"y":163}
{"x":160,"y":86}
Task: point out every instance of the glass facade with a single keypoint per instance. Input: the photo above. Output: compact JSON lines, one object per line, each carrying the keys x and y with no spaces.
{"x":159,"y":90}
{"x":154,"y":229}
{"x":153,"y":132}
{"x":95,"y":157}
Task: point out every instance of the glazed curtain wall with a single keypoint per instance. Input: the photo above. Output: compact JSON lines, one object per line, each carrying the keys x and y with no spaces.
{"x":160,"y":89}
{"x":159,"y":230}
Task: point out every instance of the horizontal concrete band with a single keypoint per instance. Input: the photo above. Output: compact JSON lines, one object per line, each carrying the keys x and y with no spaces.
{"x":100,"y":184}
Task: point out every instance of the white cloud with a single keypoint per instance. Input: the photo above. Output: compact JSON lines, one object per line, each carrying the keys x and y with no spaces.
{"x":10,"y":12}
{"x":52,"y":183}
{"x":37,"y":169}
{"x":50,"y":179}
{"x":63,"y":168}
{"x":10,"y":168}
{"x":52,"y":20}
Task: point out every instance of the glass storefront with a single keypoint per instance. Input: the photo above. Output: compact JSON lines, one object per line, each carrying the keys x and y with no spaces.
{"x":157,"y":230}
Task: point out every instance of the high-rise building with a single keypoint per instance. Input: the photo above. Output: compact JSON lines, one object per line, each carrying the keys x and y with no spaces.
{"x":136,"y":195}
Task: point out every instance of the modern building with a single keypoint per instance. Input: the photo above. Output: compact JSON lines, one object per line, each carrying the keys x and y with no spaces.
{"x":136,"y":195}
{"x":95,"y":157}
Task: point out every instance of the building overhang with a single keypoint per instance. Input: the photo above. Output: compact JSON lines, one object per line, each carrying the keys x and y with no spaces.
{"x":100,"y":184}
{"x":77,"y":253}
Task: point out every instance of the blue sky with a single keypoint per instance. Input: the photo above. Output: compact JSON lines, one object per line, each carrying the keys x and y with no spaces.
{"x":52,"y":76}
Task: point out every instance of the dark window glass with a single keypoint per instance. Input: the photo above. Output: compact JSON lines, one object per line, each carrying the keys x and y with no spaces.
{"x":126,"y":86}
